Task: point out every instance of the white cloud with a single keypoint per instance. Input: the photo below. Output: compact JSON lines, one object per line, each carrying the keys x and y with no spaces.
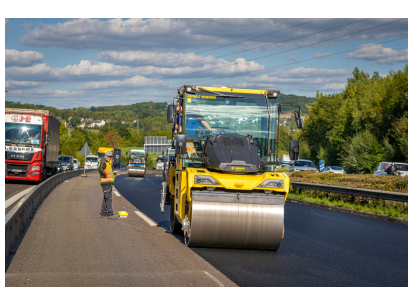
{"x":105,"y":73}
{"x":134,"y":58}
{"x":69,"y":73}
{"x":294,"y":58}
{"x":25,"y":58}
{"x":334,"y":87}
{"x":136,"y":81}
{"x":301,"y":79}
{"x":27,"y":26}
{"x":168,"y":34}
{"x":318,"y":55}
{"x":302,"y":72}
{"x":378,"y":53}
{"x":10,"y":84}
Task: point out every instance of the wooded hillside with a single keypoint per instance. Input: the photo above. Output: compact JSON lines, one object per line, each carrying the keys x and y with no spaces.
{"x":363,"y":125}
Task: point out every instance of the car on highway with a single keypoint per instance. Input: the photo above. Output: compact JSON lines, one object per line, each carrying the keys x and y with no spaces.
{"x":334,"y":170}
{"x":303,"y":165}
{"x":75,"y":164}
{"x":67,"y":162}
{"x":59,"y":167}
{"x":91,"y":162}
{"x":160,"y":162}
{"x":383,"y":168}
{"x":286,"y":165}
{"x":123,"y":166}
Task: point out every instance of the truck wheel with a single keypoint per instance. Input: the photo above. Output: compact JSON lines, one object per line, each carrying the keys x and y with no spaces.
{"x":44,"y":176}
{"x":174,"y":226}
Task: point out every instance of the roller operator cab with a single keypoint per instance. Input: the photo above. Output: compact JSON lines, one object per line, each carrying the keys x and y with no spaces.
{"x":222,"y":189}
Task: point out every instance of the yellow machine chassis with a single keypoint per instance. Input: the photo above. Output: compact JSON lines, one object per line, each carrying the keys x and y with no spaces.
{"x":234,"y":213}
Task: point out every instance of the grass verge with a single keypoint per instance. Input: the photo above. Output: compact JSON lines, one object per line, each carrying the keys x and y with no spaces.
{"x":381,"y":207}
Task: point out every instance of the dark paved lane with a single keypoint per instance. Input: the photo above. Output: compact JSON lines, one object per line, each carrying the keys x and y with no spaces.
{"x":320,"y":248}
{"x":14,"y":187}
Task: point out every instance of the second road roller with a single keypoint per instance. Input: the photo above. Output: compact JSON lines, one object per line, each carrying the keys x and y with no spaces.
{"x":137,"y":163}
{"x":221,"y":187}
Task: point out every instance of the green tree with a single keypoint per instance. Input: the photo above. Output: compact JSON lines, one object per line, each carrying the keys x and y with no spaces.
{"x":362,"y":154}
{"x":74,"y":121}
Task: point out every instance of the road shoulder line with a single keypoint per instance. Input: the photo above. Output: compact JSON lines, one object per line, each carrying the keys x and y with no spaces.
{"x":214,"y":278}
{"x":19,"y":195}
{"x":146,"y":219}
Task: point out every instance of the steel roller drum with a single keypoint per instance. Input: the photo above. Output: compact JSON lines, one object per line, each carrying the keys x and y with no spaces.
{"x":231,"y":220}
{"x":135,"y":172}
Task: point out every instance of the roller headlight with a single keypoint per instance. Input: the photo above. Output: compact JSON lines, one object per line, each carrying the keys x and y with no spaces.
{"x":35,"y":168}
{"x":205,"y":180}
{"x":278,"y":184}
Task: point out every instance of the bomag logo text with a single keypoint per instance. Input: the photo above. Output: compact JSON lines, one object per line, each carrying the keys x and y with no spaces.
{"x":238,"y":169}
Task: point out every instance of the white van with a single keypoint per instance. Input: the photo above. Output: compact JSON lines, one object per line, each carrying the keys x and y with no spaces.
{"x":75,"y":164}
{"x":91,"y":162}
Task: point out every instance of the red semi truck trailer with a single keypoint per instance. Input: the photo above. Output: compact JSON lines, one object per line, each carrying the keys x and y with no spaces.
{"x":32,"y":144}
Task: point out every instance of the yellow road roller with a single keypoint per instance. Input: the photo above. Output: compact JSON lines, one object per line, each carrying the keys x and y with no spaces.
{"x":137,"y":163}
{"x":221,"y":185}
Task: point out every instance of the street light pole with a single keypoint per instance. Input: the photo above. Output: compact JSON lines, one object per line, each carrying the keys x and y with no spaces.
{"x":84,"y":163}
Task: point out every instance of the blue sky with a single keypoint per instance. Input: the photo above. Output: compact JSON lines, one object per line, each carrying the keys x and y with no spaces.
{"x":69,"y":63}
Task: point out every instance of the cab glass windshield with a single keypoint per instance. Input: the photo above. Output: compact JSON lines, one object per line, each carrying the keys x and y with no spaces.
{"x":27,"y":134}
{"x":207,"y":114}
{"x":64,"y":159}
{"x":137,"y":155}
{"x":336,"y":168}
{"x":91,"y":159}
{"x":304,"y":163}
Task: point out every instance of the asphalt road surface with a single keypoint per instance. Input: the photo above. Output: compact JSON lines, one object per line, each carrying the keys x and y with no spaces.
{"x":320,"y":247}
{"x":68,"y":244}
{"x":14,"y":187}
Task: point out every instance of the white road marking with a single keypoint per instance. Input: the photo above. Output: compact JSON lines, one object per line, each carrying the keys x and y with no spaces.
{"x":116,"y":193}
{"x":214,"y":278}
{"x":16,"y":197}
{"x":146,"y":218}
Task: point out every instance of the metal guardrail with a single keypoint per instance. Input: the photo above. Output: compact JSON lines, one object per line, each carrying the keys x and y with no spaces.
{"x":395,"y":196}
{"x":20,"y":216}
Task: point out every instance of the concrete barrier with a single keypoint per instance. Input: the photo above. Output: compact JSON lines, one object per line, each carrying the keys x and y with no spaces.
{"x":20,"y":216}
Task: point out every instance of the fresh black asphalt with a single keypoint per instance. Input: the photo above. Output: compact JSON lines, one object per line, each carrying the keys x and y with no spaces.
{"x":320,"y":247}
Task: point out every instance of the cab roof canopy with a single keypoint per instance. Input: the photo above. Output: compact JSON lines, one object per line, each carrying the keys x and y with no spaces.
{"x":193,"y":88}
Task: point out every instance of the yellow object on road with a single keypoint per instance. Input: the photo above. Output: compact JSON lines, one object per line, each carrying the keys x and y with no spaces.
{"x":123,"y":214}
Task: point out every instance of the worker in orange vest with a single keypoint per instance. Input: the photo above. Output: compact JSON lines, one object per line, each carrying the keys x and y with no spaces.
{"x":107,"y":177}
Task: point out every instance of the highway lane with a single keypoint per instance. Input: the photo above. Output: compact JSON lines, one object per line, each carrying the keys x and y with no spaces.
{"x":320,"y":248}
{"x":14,"y":187}
{"x":68,"y":244}
{"x":12,"y":191}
